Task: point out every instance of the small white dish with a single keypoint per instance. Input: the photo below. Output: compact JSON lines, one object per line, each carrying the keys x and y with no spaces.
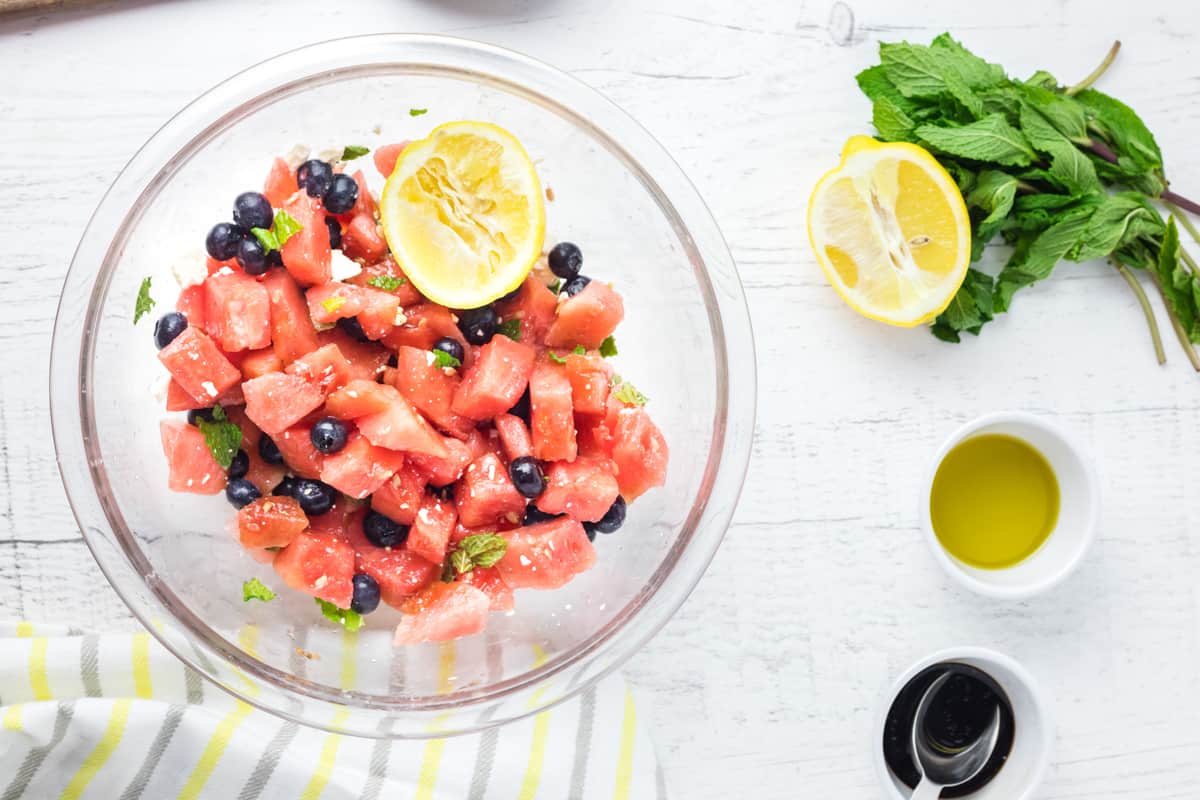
{"x":1079,"y":509}
{"x":1033,"y":738}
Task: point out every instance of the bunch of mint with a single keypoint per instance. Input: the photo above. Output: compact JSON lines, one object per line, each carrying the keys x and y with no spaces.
{"x":1057,"y":172}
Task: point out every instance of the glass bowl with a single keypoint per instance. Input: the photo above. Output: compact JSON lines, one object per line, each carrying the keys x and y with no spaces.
{"x":686,"y":342}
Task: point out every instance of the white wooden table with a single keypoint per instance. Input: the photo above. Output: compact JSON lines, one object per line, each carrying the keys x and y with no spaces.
{"x":824,"y":590}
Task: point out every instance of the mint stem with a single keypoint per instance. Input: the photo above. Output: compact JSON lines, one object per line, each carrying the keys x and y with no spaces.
{"x":1098,"y":71}
{"x":1185,"y":222}
{"x":1180,"y":333}
{"x":1146,"y":310}
{"x":1098,"y":147}
{"x":1180,"y":202}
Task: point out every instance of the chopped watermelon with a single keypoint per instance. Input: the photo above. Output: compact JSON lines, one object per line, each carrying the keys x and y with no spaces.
{"x":192,"y":467}
{"x":237,"y":312}
{"x":358,"y":398}
{"x":399,"y":427}
{"x":443,"y":612}
{"x":551,"y":419}
{"x":489,"y":581}
{"x":400,"y":496}
{"x":590,"y":378}
{"x":295,"y":444}
{"x":546,"y":555}
{"x":385,"y":157}
{"x":583,"y":489}
{"x":179,"y":400}
{"x":387,"y":267}
{"x":280,"y":183}
{"x":292,"y":331}
{"x":443,"y":471}
{"x":363,"y":239}
{"x":325,"y":368}
{"x":496,"y":381}
{"x":365,"y":204}
{"x":429,"y":389}
{"x":270,"y":522}
{"x":263,"y":475}
{"x":640,"y":453}
{"x":534,"y":305}
{"x":424,"y":325}
{"x":588,"y":318}
{"x":514,"y":436}
{"x":277,"y":401}
{"x":399,"y":572}
{"x":430,"y":532}
{"x":376,"y":310}
{"x":486,"y":495}
{"x":306,"y":254}
{"x":198,"y":365}
{"x":320,"y":565}
{"x":260,"y":362}
{"x":335,"y":521}
{"x":191,"y":305}
{"x":366,"y":359}
{"x":360,"y":468}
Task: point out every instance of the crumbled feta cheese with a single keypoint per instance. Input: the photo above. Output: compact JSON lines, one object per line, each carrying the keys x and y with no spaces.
{"x":342,"y":267}
{"x":525,"y":562}
{"x":320,"y":582}
{"x":224,"y":271}
{"x":159,"y":388}
{"x":190,"y":269}
{"x":330,"y":153}
{"x":400,"y":318}
{"x":297,"y":156}
{"x":209,"y":388}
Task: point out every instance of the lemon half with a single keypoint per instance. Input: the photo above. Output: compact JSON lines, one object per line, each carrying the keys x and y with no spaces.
{"x":463,"y":214}
{"x":890,"y":229}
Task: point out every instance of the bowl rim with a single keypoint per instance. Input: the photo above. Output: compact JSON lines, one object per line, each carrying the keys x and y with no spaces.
{"x":327,"y":62}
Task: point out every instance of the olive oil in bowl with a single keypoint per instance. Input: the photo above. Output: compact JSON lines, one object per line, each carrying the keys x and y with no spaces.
{"x":994,"y":501}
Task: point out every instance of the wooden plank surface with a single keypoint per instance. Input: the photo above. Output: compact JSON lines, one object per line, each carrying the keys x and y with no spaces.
{"x":770,"y":675}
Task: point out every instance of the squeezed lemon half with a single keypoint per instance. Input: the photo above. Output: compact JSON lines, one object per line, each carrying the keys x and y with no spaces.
{"x":463,"y":214}
{"x":890,"y":229}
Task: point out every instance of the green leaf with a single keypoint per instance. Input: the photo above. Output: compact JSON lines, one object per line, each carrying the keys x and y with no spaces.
{"x":579,"y":350}
{"x":1072,"y":170}
{"x":555,"y":357}
{"x":416,"y":112}
{"x":978,"y":73}
{"x":1179,"y":287}
{"x":1043,"y":79}
{"x":254,"y":589}
{"x":627,"y":393}
{"x":354,"y":151}
{"x":1046,"y":250}
{"x":484,"y":549}
{"x":349,"y":619}
{"x":990,"y":139}
{"x":443,"y":359}
{"x":874,"y":83}
{"x":918,"y":71}
{"x":1118,"y":217}
{"x":555,"y":287}
{"x":510,"y":328}
{"x":1123,"y":129}
{"x":387,"y":283}
{"x":286,"y":226}
{"x":144,"y":302}
{"x":266,"y":238}
{"x":970,"y":308}
{"x":608,"y":348}
{"x":891,"y":122}
{"x":1065,"y":114}
{"x":461,"y":562}
{"x":994,"y":192}
{"x":222,"y":437}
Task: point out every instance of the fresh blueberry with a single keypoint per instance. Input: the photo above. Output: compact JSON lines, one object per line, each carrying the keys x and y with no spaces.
{"x":478,"y":325}
{"x":521,"y":407}
{"x":353,"y":328}
{"x":223,"y":240}
{"x":576,"y":285}
{"x":169,"y":326}
{"x":315,"y":177}
{"x":314,"y":497}
{"x":252,"y":257}
{"x":240,"y":465}
{"x":527,"y":476}
{"x":269,"y":450}
{"x":342,"y":194}
{"x":366,"y":594}
{"x":451,"y":347}
{"x":565,"y":260}
{"x":196,"y":414}
{"x":383,"y":531}
{"x":286,"y":487}
{"x":274,"y":258}
{"x":534,"y":515}
{"x":393,"y":361}
{"x":511,"y":295}
{"x":241,"y":492}
{"x":253,"y":210}
{"x":335,"y":232}
{"x":612,"y":520}
{"x":329,"y":435}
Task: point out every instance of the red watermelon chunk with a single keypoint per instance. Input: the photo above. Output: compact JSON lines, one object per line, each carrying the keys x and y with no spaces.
{"x":399,"y":427}
{"x":237,"y":311}
{"x":546,"y":555}
{"x":496,"y":381}
{"x":534,"y":305}
{"x":489,"y":581}
{"x":486,"y":495}
{"x":325,"y":368}
{"x":333,"y":301}
{"x":191,"y":304}
{"x":263,"y":475}
{"x":399,"y":572}
{"x":363,"y":240}
{"x":191,"y":466}
{"x":358,"y":398}
{"x":335,"y":521}
{"x":198,"y":365}
{"x":359,"y":468}
{"x":292,"y":331}
{"x":590,"y":378}
{"x":179,"y":400}
{"x":406,"y":293}
{"x":588,"y":318}
{"x":270,"y":522}
{"x":443,"y":471}
{"x":366,"y":359}
{"x":583,"y":489}
{"x":551,"y":413}
{"x":280,"y":183}
{"x":319,"y":565}
{"x":443,"y":612}
{"x":640,"y":453}
{"x":514,"y":436}
{"x":306,"y":254}
{"x":385,"y":157}
{"x":430,"y":531}
{"x":260,"y":362}
{"x":425,"y":324}
{"x":277,"y":401}
{"x":295,"y":444}
{"x":429,"y":389}
{"x":400,"y":496}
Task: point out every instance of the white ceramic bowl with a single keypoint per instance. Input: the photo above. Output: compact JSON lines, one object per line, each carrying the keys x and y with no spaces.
{"x":1079,"y":509}
{"x":1033,"y":739}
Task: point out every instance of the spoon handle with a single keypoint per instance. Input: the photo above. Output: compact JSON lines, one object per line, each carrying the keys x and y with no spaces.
{"x":927,"y":790}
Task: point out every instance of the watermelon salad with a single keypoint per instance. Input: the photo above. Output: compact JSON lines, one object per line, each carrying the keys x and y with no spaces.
{"x":379,"y":447}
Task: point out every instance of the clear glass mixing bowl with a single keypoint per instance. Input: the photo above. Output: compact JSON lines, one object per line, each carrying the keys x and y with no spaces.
{"x":686,"y":341}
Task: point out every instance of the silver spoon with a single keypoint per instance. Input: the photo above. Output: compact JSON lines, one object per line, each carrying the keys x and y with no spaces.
{"x":939,"y":769}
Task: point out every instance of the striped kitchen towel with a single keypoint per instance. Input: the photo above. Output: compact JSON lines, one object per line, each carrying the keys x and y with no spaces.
{"x":117,"y":717}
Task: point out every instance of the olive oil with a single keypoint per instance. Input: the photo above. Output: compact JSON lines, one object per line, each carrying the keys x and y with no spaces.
{"x":994,"y":501}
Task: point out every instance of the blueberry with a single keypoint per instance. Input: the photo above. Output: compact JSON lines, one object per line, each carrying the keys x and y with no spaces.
{"x":478,"y":325}
{"x":286,"y":487}
{"x":169,"y":326}
{"x":576,"y":285}
{"x":252,"y":256}
{"x":353,"y":328}
{"x":223,"y":240}
{"x":521,"y":408}
{"x":612,"y":520}
{"x":329,"y":435}
{"x":527,"y":476}
{"x":314,"y":497}
{"x":366,"y":594}
{"x":511,"y":295}
{"x":240,"y":465}
{"x":241,"y":492}
{"x":196,"y":414}
{"x":534,"y":515}
{"x":342,"y":194}
{"x":393,"y":361}
{"x":565,"y":260}
{"x":269,"y":450}
{"x":383,"y":531}
{"x":253,"y":210}
{"x":274,"y":258}
{"x":335,"y":233}
{"x":315,"y":177}
{"x":451,"y":347}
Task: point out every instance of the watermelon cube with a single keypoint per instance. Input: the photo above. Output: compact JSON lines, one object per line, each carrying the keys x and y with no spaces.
{"x":443,"y":471}
{"x":237,"y":311}
{"x":400,"y":497}
{"x":191,"y":466}
{"x":429,"y":389}
{"x":260,"y":362}
{"x":588,"y":318}
{"x":430,"y":531}
{"x":534,"y":305}
{"x":190,"y":303}
{"x":280,"y":183}
{"x":489,"y":581}
{"x":179,"y":400}
{"x":270,"y":522}
{"x":385,"y":157}
{"x":363,"y":240}
{"x":590,"y":378}
{"x":376,"y":310}
{"x":399,"y":427}
{"x":486,"y":495}
{"x":365,"y":204}
{"x":514,"y":436}
{"x":583,"y":489}
{"x":366,"y":359}
{"x":358,"y":398}
{"x":359,"y":468}
{"x":442,"y":612}
{"x":324,"y":367}
{"x":496,"y":381}
{"x":299,"y":453}
{"x":319,"y":565}
{"x":199,"y":366}
{"x":277,"y":401}
{"x":425,"y":324}
{"x":546,"y":555}
{"x":399,"y":572}
{"x":306,"y":254}
{"x":406,"y":293}
{"x":292,"y":331}
{"x":335,"y":521}
{"x":640,"y":453}
{"x":551,"y":416}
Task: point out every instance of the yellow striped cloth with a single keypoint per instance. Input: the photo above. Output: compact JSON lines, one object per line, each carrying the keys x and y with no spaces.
{"x":116,"y":717}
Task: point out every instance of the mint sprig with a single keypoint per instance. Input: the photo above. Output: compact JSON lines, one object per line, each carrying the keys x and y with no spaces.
{"x":627,"y":393}
{"x":481,"y":550}
{"x":222,"y":437}
{"x":387,"y":283}
{"x":254,"y":589}
{"x":353,"y":151}
{"x":510,"y":328}
{"x":608,"y":348}
{"x":144,"y":302}
{"x":442,"y":359}
{"x":285,"y":227}
{"x":348,"y":618}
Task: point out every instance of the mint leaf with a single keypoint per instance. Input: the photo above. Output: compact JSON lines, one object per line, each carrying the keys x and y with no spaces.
{"x":254,"y":589}
{"x":510,"y":328}
{"x":144,"y":302}
{"x":1123,"y":128}
{"x":1119,"y":218}
{"x":555,"y":357}
{"x":891,"y":121}
{"x":461,"y":562}
{"x":443,"y":359}
{"x":387,"y":283}
{"x":1068,"y":117}
{"x":990,"y":139}
{"x":266,"y":238}
{"x":1050,"y":247}
{"x":608,"y":348}
{"x":222,"y":437}
{"x":579,"y":350}
{"x":285,"y":227}
{"x":627,"y":393}
{"x":349,"y":619}
{"x":978,"y":73}
{"x":1179,"y":287}
{"x":994,"y":193}
{"x":970,"y":309}
{"x":353,"y":151}
{"x":918,"y":71}
{"x":416,"y":112}
{"x":480,"y":550}
{"x":556,"y":287}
